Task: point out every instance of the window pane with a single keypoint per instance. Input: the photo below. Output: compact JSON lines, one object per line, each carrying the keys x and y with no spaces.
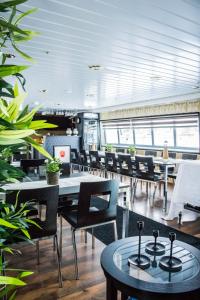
{"x":163,"y":134}
{"x":143,"y":136}
{"x":126,"y":136}
{"x":111,"y":136}
{"x":187,"y":137}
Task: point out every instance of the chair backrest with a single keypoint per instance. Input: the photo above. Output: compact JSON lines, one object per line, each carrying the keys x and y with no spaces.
{"x":189,"y":156}
{"x":172,"y":154}
{"x":120,"y":150}
{"x":125,"y":164}
{"x":75,"y":157}
{"x":48,"y":196}
{"x":95,"y":161}
{"x":144,"y":166}
{"x":84,"y":158}
{"x":151,"y":153}
{"x":110,"y":162}
{"x":90,"y":189}
{"x":26,"y":164}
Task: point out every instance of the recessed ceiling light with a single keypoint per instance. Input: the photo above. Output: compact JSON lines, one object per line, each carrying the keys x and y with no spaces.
{"x":155,"y":77}
{"x":43,"y":91}
{"x":196,"y":87}
{"x":95,"y":67}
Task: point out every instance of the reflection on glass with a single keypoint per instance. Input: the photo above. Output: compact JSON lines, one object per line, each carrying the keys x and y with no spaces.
{"x":111,"y":136}
{"x":163,"y":134}
{"x":187,"y":137}
{"x":126,"y":136}
{"x":143,"y":136}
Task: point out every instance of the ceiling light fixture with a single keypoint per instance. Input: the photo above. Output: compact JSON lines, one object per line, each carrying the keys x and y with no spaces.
{"x":95,"y":67}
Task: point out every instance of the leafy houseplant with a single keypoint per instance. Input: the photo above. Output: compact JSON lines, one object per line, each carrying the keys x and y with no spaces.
{"x":132,"y":150}
{"x":53,"y":171}
{"x":109,"y":147}
{"x":16,"y":129}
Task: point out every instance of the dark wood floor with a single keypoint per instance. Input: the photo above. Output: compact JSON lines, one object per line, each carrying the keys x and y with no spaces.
{"x":91,"y":285}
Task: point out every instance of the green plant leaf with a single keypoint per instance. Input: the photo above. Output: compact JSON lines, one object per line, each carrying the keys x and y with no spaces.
{"x":10,"y":142}
{"x":9,"y":4}
{"x":7,"y":224}
{"x":28,"y":12}
{"x":23,"y":54}
{"x":38,"y":147}
{"x":11,"y":27}
{"x":11,"y":280}
{"x":7,"y":70}
{"x":40,"y":124}
{"x":25,"y":274}
{"x":15,"y":134}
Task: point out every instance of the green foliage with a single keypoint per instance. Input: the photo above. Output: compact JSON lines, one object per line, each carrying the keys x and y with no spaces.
{"x":11,"y":34}
{"x":16,"y":126}
{"x":53,"y":165}
{"x":8,"y":173}
{"x":6,"y":154}
{"x":14,"y":225}
{"x":131,"y":149}
{"x":109,"y":147}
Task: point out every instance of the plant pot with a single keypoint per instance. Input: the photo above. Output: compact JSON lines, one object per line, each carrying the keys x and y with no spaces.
{"x":53,"y":178}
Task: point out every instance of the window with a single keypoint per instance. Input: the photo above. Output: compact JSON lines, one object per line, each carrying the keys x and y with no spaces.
{"x":180,"y":131}
{"x":143,"y":136}
{"x":187,"y":136}
{"x":111,"y":136}
{"x":126,"y":136}
{"x":163,"y":134}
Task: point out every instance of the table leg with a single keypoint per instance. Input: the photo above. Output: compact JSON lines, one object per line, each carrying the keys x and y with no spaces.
{"x":165,"y":189}
{"x":111,"y":291}
{"x":124,"y":297}
{"x":125,"y":222}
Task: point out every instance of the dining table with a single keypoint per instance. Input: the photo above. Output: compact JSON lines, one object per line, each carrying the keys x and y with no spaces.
{"x":70,"y":185}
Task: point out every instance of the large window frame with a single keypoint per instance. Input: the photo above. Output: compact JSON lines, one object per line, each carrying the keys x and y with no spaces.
{"x":191,"y":120}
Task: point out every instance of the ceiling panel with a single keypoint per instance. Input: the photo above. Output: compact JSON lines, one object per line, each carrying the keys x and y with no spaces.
{"x":147,"y":51}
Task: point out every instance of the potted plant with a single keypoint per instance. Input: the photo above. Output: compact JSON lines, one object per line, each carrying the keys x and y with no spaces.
{"x":131,"y":150}
{"x":53,"y":171}
{"x":109,"y":147}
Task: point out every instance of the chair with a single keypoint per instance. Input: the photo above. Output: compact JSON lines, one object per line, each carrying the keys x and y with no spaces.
{"x":150,"y":153}
{"x":172,"y":155}
{"x":84,"y":160}
{"x":48,"y":226}
{"x":75,"y":159}
{"x":95,"y":161}
{"x":89,"y":217}
{"x":145,"y":172}
{"x":28,"y":164}
{"x":111,"y":163}
{"x":126,"y":168}
{"x":190,"y":156}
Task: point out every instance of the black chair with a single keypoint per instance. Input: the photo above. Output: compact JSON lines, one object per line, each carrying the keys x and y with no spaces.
{"x":111,"y":163}
{"x":75,"y":159}
{"x":84,"y":160}
{"x":95,"y":161}
{"x":34,"y":164}
{"x":189,"y":156}
{"x":89,"y":217}
{"x":127,"y":168}
{"x":150,"y":153}
{"x":172,"y":155}
{"x":48,"y":226}
{"x":145,"y":172}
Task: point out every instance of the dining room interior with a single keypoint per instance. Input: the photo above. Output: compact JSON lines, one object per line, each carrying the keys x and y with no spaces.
{"x":100,"y":149}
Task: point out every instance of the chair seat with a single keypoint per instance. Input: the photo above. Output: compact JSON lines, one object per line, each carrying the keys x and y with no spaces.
{"x":146,"y":176}
{"x":96,"y":217}
{"x":37,"y":233}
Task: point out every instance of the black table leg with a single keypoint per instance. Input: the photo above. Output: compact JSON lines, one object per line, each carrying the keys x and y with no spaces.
{"x":111,"y":291}
{"x":124,"y":297}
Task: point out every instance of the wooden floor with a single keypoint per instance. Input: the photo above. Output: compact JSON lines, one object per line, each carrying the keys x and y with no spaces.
{"x":91,"y":285}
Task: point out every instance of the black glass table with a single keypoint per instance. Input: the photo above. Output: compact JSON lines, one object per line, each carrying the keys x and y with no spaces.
{"x":153,"y":282}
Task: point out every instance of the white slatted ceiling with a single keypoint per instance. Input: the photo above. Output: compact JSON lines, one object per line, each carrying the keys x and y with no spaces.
{"x":149,"y":49}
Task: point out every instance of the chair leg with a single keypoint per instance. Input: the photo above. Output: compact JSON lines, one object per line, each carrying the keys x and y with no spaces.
{"x":85,"y":233}
{"x":115,"y":230}
{"x":75,"y":253}
{"x":59,"y":262}
{"x":38,"y":251}
{"x":93,"y":239}
{"x":60,"y":237}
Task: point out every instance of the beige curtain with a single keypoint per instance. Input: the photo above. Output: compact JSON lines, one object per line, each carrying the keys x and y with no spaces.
{"x":173,"y":108}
